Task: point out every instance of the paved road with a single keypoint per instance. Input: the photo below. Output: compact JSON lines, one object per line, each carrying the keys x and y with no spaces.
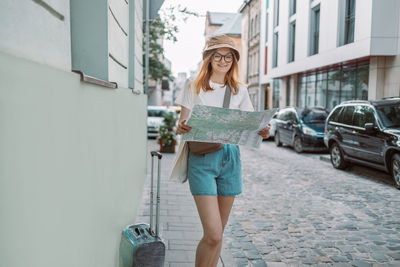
{"x":297,"y":210}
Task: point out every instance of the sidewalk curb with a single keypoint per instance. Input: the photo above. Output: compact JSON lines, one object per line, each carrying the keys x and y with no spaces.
{"x":325,"y":158}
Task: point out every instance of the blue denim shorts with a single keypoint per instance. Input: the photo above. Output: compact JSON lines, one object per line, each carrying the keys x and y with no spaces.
{"x":216,"y":174}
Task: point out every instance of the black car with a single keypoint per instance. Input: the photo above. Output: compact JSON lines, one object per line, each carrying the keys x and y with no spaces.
{"x":302,"y":128}
{"x":367,"y":133}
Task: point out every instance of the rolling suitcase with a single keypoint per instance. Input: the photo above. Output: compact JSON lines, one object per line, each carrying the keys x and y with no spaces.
{"x":140,"y":246}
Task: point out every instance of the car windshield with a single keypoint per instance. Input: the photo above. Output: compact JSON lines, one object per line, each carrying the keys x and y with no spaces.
{"x":155,"y":113}
{"x":314,"y":116}
{"x":389,"y":115}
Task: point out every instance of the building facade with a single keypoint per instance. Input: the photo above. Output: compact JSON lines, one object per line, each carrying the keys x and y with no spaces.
{"x":320,"y":53}
{"x":230,"y":24}
{"x":73,"y":141}
{"x":158,"y":88}
{"x":250,"y":59}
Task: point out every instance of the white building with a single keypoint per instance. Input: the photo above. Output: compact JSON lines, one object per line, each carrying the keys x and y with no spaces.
{"x":157,"y":88}
{"x":179,"y":85}
{"x":73,"y":146}
{"x":322,"y":52}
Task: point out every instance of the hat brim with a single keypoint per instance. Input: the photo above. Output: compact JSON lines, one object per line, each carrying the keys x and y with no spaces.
{"x":235,"y":50}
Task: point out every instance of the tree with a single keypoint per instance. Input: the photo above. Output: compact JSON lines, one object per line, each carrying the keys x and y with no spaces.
{"x":163,"y":27}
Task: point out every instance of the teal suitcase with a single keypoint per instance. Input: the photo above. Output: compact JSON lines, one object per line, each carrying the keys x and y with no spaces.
{"x":140,"y":246}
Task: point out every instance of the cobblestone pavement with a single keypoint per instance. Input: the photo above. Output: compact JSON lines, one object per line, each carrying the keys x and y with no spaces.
{"x":297,"y":210}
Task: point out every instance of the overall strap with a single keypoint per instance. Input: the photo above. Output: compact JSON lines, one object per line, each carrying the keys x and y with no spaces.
{"x":227,"y":97}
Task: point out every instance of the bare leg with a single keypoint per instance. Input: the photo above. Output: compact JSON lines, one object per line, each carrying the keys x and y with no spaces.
{"x":214,"y":212}
{"x":225,"y":205}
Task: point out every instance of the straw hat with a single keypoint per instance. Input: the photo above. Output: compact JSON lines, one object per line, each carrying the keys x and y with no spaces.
{"x":220,"y":41}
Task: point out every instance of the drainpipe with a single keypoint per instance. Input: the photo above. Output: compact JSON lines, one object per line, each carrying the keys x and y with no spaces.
{"x":146,"y":60}
{"x":260,"y":45}
{"x":248,"y":40}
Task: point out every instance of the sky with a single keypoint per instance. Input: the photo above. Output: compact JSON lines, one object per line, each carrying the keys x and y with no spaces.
{"x":185,"y":54}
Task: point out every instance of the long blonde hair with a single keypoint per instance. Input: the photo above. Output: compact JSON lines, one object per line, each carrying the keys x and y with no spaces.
{"x":202,"y":81}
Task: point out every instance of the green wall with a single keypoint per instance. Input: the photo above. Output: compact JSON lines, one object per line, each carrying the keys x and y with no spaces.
{"x":72,"y":166}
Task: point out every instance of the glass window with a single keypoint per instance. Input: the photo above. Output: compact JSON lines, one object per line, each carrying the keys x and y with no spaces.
{"x":349,"y":21}
{"x":333,"y":93}
{"x":314,"y":38}
{"x":292,"y":40}
{"x":320,"y":88}
{"x":310,"y":90}
{"x":275,"y":95}
{"x":292,"y":116}
{"x":275,"y":55}
{"x":276,"y":13}
{"x":288,"y":91}
{"x":301,"y":93}
{"x":335,"y":115}
{"x":266,"y":27}
{"x":347,"y":115}
{"x":348,"y":90}
{"x":292,"y":7}
{"x":314,"y":115}
{"x":363,"y":115}
{"x":389,"y":115}
{"x":362,"y":82}
{"x":256,"y":25}
{"x":155,"y":113}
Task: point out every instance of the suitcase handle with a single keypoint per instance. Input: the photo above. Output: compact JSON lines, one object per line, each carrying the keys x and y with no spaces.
{"x":156,"y":153}
{"x":159,"y":155}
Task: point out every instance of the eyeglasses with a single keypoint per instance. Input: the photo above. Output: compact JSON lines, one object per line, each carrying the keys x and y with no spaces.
{"x":227,"y":58}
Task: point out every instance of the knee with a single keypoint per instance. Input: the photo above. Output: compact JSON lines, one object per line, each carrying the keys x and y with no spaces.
{"x":213,"y":239}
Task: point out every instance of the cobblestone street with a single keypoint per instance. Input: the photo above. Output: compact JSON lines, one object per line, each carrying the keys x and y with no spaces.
{"x":295,"y":210}
{"x":298,"y":210}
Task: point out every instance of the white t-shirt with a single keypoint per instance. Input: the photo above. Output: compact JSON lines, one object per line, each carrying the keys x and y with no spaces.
{"x":188,"y":98}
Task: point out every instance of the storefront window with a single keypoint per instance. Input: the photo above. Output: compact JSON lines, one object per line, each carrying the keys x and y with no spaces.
{"x":362,"y":82}
{"x":333,"y":93}
{"x":330,"y":88}
{"x":275,"y":95}
{"x":301,"y":93}
{"x":320,"y":95}
{"x":348,"y":90}
{"x":310,"y":90}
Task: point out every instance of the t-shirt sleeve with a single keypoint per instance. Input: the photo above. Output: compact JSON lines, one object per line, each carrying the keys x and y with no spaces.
{"x":246,"y":104}
{"x":186,"y":98}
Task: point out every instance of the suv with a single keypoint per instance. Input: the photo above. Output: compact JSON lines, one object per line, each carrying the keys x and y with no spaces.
{"x":367,"y":133}
{"x":302,"y":128}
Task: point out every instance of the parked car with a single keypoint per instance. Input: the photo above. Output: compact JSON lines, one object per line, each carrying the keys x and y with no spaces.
{"x":272,"y":124}
{"x":302,"y":128}
{"x":155,"y":120}
{"x":367,"y":133}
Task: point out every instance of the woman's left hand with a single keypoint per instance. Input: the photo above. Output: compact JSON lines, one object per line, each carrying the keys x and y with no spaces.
{"x":265,"y":132}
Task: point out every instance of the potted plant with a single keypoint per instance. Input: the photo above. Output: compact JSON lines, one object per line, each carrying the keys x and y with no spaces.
{"x":167,"y":137}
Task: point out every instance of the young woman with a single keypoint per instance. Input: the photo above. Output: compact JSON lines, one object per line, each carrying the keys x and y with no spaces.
{"x":215,"y":178}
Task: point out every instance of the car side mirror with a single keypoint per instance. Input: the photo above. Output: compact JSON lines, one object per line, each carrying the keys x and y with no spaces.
{"x":370,"y":128}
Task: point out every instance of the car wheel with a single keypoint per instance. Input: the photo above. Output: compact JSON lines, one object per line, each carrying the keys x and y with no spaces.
{"x":277,"y":140}
{"x":298,"y":146}
{"x":337,"y":159}
{"x":396,"y":170}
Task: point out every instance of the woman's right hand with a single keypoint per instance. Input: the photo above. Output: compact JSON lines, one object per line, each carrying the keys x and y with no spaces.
{"x":183,"y":128}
